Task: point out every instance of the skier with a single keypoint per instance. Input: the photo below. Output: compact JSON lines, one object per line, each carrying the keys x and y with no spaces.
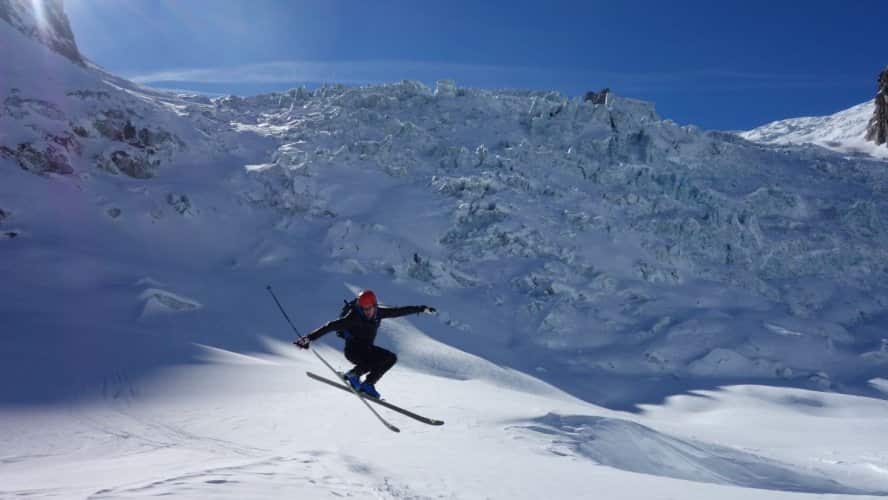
{"x":358,"y":326}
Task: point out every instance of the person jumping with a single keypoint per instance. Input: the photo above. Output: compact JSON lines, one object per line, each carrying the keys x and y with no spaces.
{"x":359,"y":326}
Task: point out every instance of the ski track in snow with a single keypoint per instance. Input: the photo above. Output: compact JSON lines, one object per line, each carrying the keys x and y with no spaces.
{"x":312,"y":478}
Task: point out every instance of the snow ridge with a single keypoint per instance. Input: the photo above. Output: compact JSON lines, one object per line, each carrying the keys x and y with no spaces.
{"x":844,"y":132}
{"x":43,"y":20}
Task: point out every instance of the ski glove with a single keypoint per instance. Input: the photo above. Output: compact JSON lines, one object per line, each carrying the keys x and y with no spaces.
{"x":302,"y":342}
{"x":428,"y":309}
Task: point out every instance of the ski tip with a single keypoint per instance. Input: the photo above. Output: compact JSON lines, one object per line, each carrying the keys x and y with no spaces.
{"x":393,"y":428}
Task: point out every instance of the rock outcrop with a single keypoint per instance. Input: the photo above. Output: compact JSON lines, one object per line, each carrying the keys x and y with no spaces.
{"x":877,"y":130}
{"x":44,"y":20}
{"x":599,"y":97}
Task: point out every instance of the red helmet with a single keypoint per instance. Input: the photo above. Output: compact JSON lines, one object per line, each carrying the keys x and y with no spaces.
{"x":367,"y":298}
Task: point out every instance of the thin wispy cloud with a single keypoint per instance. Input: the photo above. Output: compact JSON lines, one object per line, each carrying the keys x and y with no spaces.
{"x":381,"y":71}
{"x":349,"y":72}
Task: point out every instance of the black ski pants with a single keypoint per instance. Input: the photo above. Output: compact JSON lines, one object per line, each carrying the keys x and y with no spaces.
{"x":370,"y":359}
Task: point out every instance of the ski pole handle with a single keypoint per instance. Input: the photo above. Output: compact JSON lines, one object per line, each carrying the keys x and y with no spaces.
{"x":268,"y":287}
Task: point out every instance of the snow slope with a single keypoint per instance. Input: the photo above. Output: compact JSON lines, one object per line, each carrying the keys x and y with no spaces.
{"x":843,"y":131}
{"x":612,"y":288}
{"x":255,"y":427}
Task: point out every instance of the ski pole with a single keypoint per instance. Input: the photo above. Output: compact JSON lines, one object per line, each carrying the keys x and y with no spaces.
{"x":350,"y":388}
{"x":268,"y":287}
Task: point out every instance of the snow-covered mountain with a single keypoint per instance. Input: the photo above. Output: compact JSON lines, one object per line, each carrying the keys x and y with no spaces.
{"x":609,"y":286}
{"x":63,"y":115}
{"x":843,"y":131}
{"x":44,"y":21}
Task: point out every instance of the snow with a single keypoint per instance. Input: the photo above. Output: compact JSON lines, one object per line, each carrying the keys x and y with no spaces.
{"x":627,"y":308}
{"x":843,"y":131}
{"x":162,"y":302}
{"x":184,"y":434}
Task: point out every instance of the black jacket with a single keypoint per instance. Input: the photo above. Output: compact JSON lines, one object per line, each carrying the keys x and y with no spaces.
{"x":356,"y":328}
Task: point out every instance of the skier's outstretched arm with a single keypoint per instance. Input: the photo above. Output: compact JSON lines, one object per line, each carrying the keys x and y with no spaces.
{"x":394,"y":312}
{"x":338,"y":324}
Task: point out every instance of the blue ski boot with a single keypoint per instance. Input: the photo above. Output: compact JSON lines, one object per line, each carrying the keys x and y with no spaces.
{"x":369,"y":390}
{"x":352,"y":380}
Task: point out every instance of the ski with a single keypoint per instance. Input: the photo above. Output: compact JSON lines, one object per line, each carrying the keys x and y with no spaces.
{"x":349,"y":388}
{"x":380,"y":402}
{"x":359,"y":396}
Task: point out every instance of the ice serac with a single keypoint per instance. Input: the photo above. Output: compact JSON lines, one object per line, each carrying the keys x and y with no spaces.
{"x":44,"y":20}
{"x":877,"y":130}
{"x":591,"y":225}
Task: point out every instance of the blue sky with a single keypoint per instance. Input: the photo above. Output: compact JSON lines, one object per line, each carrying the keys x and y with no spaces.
{"x":718,"y":64}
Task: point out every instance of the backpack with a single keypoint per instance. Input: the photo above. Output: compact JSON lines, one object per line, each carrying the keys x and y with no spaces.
{"x":347,"y":306}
